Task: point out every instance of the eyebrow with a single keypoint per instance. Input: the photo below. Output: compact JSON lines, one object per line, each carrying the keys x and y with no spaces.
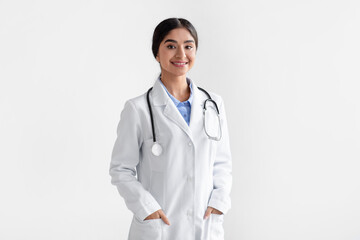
{"x":171,"y":40}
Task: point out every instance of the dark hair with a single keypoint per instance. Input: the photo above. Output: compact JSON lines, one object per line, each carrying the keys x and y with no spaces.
{"x":163,"y":28}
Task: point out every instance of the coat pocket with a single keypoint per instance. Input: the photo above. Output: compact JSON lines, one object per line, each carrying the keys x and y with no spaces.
{"x":145,"y":229}
{"x":216,"y":227}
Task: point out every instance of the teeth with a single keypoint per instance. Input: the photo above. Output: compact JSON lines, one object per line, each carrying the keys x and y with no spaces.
{"x":179,"y":63}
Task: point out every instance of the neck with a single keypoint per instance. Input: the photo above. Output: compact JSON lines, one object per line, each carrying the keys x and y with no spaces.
{"x":176,"y":86}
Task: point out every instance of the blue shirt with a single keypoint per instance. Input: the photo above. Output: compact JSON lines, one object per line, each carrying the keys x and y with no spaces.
{"x":183,"y":107}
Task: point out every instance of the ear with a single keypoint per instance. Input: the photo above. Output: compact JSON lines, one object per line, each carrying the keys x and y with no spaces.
{"x":157,"y":58}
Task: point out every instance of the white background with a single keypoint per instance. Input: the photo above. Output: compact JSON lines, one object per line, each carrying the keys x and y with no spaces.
{"x":289,"y":75}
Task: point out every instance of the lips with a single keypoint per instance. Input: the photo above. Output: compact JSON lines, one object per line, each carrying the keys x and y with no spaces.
{"x":179,"y":64}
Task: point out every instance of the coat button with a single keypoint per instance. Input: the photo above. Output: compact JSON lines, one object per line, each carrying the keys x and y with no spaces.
{"x":189,"y":178}
{"x":190,"y":144}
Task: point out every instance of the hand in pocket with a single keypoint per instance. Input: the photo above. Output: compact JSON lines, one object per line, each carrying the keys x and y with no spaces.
{"x":158,"y":214}
{"x":211,"y":210}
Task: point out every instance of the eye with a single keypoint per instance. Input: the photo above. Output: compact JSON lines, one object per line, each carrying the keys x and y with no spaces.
{"x":170,"y":46}
{"x":188,"y":47}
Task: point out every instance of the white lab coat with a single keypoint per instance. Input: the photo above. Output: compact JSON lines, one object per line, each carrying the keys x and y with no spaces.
{"x":192,"y":173}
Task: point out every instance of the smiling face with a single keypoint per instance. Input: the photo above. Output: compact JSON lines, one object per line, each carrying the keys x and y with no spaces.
{"x":177,"y":52}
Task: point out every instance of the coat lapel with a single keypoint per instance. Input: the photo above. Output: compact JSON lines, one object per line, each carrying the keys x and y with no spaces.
{"x":160,"y":98}
{"x":196,"y":116}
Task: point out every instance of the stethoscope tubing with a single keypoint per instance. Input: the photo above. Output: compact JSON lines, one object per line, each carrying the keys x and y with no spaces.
{"x":152,"y":118}
{"x":151,"y":115}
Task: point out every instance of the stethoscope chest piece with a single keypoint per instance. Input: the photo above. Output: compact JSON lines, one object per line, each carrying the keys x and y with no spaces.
{"x":156,"y":149}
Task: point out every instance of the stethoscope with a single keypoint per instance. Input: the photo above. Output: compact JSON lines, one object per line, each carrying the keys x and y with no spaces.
{"x":156,"y":149}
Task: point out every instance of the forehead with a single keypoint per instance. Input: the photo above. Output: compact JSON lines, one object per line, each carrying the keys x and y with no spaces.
{"x":179,"y":34}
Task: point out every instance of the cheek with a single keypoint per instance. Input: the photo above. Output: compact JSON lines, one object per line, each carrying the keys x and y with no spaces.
{"x":166,"y":57}
{"x":192,"y":59}
{"x":163,"y":54}
{"x":192,"y":56}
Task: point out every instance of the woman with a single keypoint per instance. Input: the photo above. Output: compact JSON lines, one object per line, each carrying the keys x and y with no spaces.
{"x":180,"y":155}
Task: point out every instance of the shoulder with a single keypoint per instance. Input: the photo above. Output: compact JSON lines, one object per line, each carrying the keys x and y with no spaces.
{"x":138,"y":104}
{"x":216,"y":97}
{"x":138,"y":101}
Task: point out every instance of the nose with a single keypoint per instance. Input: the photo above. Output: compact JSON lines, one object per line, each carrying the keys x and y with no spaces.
{"x":180,"y":53}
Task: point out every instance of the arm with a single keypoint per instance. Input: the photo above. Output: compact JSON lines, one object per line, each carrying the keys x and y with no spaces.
{"x":124,"y":159}
{"x":222,"y":178}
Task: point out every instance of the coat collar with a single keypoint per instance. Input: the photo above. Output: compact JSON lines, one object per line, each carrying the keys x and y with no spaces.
{"x":159,"y":98}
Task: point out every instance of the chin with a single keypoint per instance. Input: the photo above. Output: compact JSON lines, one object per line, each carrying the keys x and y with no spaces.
{"x":177,"y":72}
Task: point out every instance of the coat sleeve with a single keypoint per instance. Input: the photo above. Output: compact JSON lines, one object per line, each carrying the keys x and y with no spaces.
{"x":222,"y":176}
{"x":124,"y":159}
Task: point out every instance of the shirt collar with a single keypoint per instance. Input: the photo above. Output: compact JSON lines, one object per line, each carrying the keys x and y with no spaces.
{"x":173,"y":98}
